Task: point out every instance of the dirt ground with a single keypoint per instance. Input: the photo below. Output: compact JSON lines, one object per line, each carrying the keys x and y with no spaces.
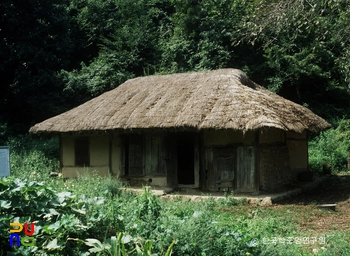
{"x":334,"y":190}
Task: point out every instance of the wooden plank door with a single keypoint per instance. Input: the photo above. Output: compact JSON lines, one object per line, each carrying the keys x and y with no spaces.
{"x":170,"y":160}
{"x":245,"y":169}
{"x":224,"y":166}
{"x":153,"y":154}
{"x":135,"y":162}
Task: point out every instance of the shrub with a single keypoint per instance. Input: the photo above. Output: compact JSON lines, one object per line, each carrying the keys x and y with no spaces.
{"x":230,"y":200}
{"x":60,"y":217}
{"x":330,"y":148}
{"x":33,"y":158}
{"x":142,"y":213}
{"x":337,"y":244}
{"x":87,"y":215}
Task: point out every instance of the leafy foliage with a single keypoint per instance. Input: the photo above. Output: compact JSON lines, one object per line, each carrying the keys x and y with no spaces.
{"x":38,"y":155}
{"x":305,"y":52}
{"x":200,"y":36}
{"x":58,"y":54}
{"x":330,"y":149}
{"x":34,"y":44}
{"x":56,"y":215}
{"x":115,"y":246}
{"x":93,"y":215}
{"x":66,"y":222}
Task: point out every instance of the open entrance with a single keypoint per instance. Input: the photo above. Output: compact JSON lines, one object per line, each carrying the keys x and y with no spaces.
{"x":185,"y":159}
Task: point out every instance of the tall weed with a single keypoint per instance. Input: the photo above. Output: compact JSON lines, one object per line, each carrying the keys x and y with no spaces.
{"x":87,"y":215}
{"x":33,"y":158}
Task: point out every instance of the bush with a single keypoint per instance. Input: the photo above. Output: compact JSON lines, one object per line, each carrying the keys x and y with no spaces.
{"x":59,"y":217}
{"x":337,"y":244}
{"x":33,"y":158}
{"x":28,"y":143}
{"x":330,"y":149}
{"x":87,"y":215}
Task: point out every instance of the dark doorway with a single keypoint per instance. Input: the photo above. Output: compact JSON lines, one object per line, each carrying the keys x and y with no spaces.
{"x":82,"y":151}
{"x":185,"y":159}
{"x":132,"y":155}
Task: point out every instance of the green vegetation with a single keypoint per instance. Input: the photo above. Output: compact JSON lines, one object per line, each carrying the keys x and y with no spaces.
{"x":58,"y":54}
{"x":92,"y":215}
{"x":329,"y":151}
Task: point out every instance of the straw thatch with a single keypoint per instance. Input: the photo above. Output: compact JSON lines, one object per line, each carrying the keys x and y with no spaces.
{"x":220,"y":99}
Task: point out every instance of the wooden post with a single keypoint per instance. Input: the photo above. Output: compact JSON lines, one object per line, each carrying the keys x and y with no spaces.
{"x":349,"y":161}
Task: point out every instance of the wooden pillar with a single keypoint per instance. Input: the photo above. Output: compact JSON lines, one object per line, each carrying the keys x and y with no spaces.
{"x":110,"y":158}
{"x":61,"y":153}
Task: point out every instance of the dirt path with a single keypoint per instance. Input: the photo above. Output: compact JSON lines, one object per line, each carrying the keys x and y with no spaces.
{"x":334,"y":190}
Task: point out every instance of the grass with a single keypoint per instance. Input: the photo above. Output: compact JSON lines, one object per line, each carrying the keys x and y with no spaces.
{"x":210,"y":227}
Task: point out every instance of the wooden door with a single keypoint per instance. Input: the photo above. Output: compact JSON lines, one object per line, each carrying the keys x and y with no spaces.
{"x":170,"y":160}
{"x":224,"y":159}
{"x":154,"y":155}
{"x":245,"y":181}
{"x":134,"y":155}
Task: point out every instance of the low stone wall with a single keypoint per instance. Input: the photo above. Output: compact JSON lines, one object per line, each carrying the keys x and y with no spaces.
{"x":156,"y":181}
{"x":274,"y":167}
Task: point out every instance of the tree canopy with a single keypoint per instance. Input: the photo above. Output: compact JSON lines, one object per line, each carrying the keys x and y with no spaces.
{"x":57,"y":54}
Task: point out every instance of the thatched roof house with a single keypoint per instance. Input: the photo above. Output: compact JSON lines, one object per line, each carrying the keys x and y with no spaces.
{"x":212,"y":126}
{"x":220,"y":99}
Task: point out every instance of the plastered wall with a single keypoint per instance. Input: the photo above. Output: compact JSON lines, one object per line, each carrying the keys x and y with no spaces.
{"x":227,"y":137}
{"x":116,"y":154}
{"x":298,"y":152}
{"x":99,"y":156}
{"x":271,"y":135}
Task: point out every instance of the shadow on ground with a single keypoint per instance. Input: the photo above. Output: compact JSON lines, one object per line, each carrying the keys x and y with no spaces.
{"x":333,"y":190}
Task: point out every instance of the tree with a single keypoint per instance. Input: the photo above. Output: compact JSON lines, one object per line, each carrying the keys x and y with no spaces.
{"x":34,"y":43}
{"x":306,"y":50}
{"x":123,"y":37}
{"x":202,"y":35}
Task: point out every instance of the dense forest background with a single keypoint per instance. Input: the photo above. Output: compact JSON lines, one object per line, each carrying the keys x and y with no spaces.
{"x":57,"y":54}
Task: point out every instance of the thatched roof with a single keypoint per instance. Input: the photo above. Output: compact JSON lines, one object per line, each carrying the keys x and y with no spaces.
{"x":219,"y":99}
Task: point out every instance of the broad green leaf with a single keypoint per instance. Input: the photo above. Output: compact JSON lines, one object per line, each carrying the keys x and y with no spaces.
{"x":53,"y":211}
{"x":126,"y":239}
{"x":5,"y":204}
{"x":52,"y":245}
{"x":81,"y":211}
{"x":93,"y":242}
{"x":54,"y":227}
